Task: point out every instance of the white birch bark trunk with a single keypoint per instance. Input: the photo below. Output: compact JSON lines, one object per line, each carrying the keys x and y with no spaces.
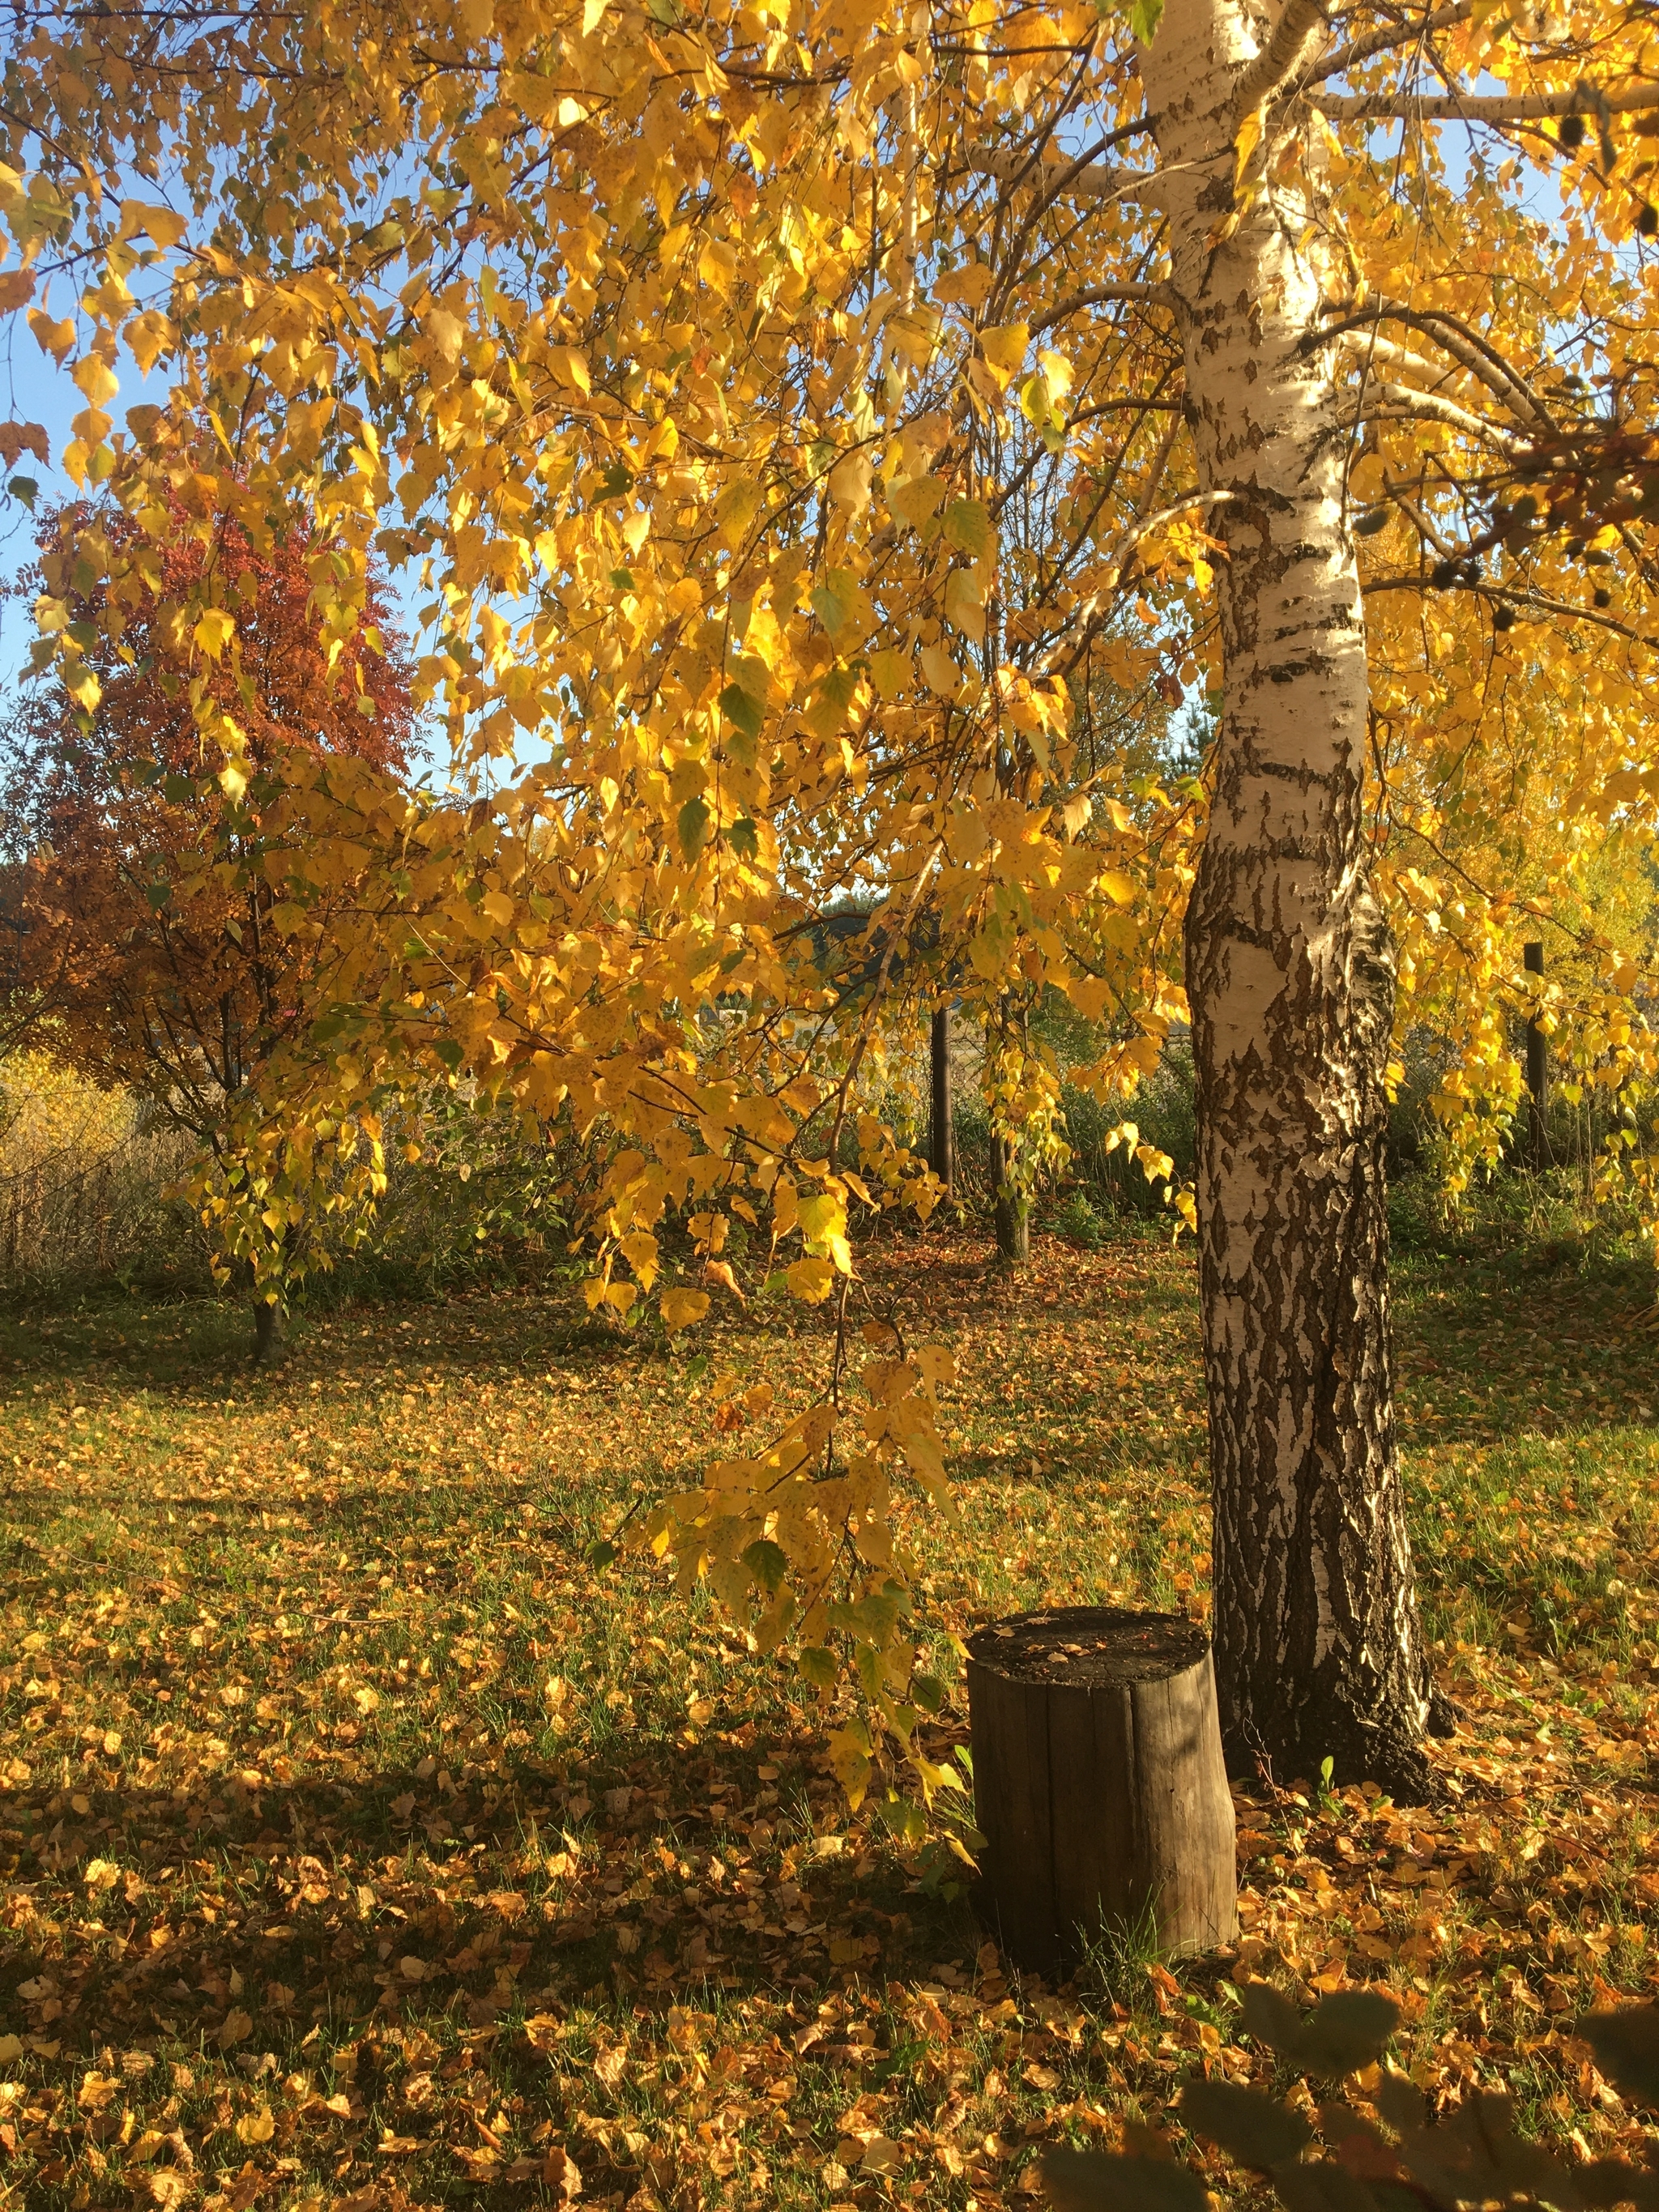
{"x":1290,"y":977}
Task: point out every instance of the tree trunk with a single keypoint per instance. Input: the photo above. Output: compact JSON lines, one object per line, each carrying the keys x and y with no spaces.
{"x":941,"y":1144}
{"x":270,"y":1333}
{"x":1289,"y":976}
{"x":1010,"y":1203}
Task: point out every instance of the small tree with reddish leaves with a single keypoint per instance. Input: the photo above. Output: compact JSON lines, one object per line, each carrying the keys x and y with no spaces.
{"x":147,"y":881}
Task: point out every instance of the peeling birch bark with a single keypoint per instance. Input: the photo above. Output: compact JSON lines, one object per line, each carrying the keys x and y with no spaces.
{"x":1289,"y":974}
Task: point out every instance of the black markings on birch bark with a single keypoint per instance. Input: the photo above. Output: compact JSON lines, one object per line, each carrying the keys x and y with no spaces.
{"x":1289,"y":974}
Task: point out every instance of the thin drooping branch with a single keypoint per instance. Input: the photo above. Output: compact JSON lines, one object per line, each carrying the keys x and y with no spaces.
{"x":1425,"y":529}
{"x":1073,"y":641}
{"x":1536,"y":604}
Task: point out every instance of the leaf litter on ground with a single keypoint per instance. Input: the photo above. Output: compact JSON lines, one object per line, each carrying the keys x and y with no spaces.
{"x":361,"y":1847}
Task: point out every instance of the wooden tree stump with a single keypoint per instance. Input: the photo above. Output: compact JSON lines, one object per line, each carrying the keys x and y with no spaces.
{"x":1098,"y":1783}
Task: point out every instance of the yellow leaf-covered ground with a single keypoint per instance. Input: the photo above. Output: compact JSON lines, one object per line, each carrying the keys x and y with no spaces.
{"x":361,"y":1847}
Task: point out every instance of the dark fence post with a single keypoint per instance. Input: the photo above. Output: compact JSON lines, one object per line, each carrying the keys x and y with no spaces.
{"x":941,"y":1145}
{"x":1538,"y":1071}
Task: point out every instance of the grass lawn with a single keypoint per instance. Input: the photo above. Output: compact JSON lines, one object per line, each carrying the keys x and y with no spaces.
{"x":361,"y":1848}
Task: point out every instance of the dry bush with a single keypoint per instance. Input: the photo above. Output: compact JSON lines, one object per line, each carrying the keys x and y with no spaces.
{"x":85,"y":1182}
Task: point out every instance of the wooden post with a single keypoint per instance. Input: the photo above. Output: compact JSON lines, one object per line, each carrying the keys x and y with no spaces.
{"x":1098,"y":1783}
{"x":941,"y":1145}
{"x":1538,"y":1071}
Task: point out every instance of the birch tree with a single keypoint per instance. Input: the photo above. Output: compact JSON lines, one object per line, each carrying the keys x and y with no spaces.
{"x":785,"y":413}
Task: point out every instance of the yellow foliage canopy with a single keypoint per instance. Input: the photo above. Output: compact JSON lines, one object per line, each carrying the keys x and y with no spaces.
{"x":783,"y":414}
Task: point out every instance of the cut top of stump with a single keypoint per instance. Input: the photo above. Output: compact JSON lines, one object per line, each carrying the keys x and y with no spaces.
{"x":1095,"y":1647}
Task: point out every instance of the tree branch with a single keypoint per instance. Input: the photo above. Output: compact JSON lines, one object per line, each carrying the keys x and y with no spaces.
{"x":1466,"y":347}
{"x":1102,"y":296}
{"x":1300,"y":22}
{"x":1431,"y":403}
{"x":1478,"y":106}
{"x":1385,"y":41}
{"x":1403,"y":403}
{"x":1086,"y":619}
{"x":1099,"y":183}
{"x":1533,"y":603}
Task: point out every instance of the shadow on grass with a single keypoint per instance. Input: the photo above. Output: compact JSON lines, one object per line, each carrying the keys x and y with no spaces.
{"x":349,"y":1904}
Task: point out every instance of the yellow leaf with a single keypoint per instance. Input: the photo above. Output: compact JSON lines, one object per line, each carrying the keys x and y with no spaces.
{"x":849,"y":1759}
{"x":1118,"y":887}
{"x":447,"y":332}
{"x":964,"y":603}
{"x":923,"y":1456}
{"x":640,"y":1250}
{"x":1004,"y":349}
{"x":681,"y":1307}
{"x":213,"y":630}
{"x":1246,"y":139}
{"x":593,"y":15}
{"x":889,"y":671}
{"x":822,"y":1217}
{"x":571,"y":366}
{"x":849,"y":481}
{"x":968,"y":286}
{"x":148,"y":337}
{"x":55,"y":338}
{"x":914,"y":500}
{"x":1057,"y":370}
{"x":936,"y":1364}
{"x":811,"y":1280}
{"x":716,"y":265}
{"x":159,"y":224}
{"x":735,"y":507}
